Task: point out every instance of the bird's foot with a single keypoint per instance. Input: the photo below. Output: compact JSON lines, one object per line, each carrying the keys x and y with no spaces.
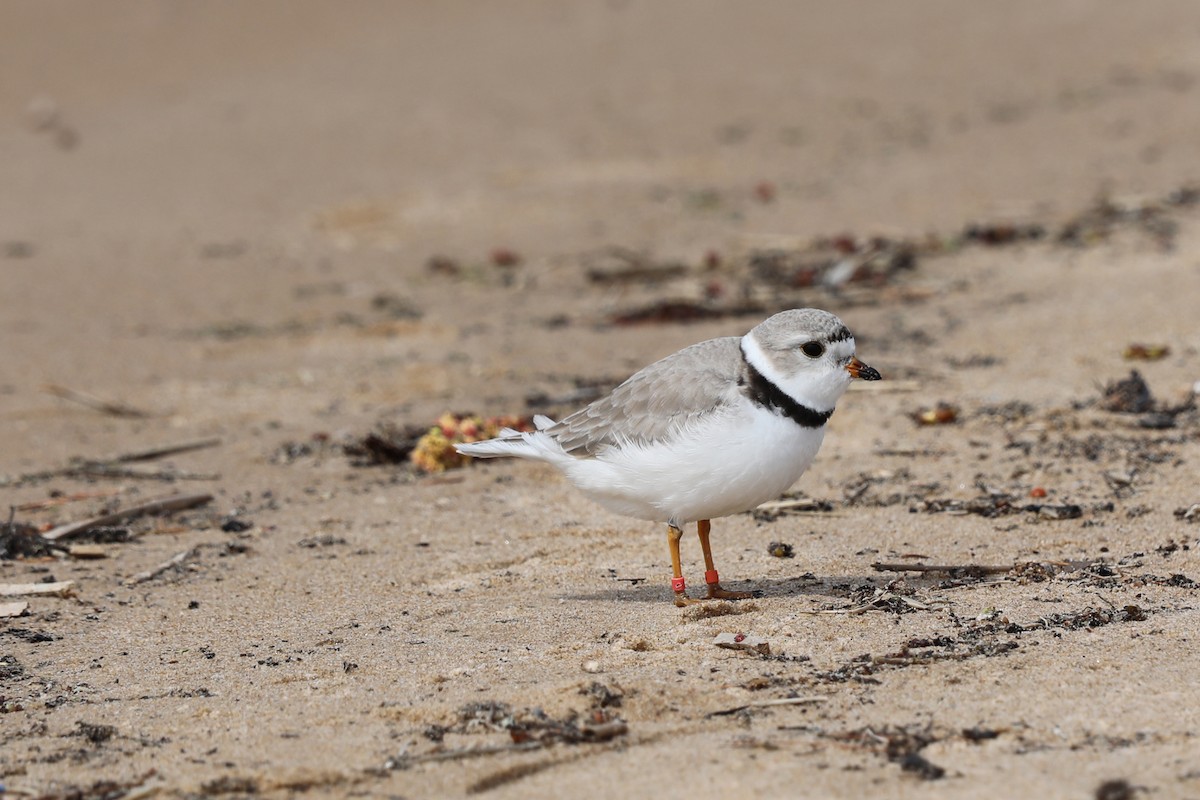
{"x":683,"y":601}
{"x":715,"y":592}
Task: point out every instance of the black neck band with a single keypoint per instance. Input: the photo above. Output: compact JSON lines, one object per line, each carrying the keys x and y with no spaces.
{"x":768,"y":395}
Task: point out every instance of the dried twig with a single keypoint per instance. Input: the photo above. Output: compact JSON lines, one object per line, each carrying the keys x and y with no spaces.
{"x":460,"y":753}
{"x":619,"y":265}
{"x":880,"y":603}
{"x":112,"y":467}
{"x":103,"y":470}
{"x":38,"y":505}
{"x":973,"y":570}
{"x":165,"y":450}
{"x":87,"y":551}
{"x":793,"y":504}
{"x":170,"y":563}
{"x":173,"y":503}
{"x":778,"y":701}
{"x":96,"y":403}
{"x":518,"y":772}
{"x":909,"y":661}
{"x":59,"y":588}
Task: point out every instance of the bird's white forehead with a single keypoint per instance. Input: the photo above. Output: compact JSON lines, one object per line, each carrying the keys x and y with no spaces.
{"x":842,"y":350}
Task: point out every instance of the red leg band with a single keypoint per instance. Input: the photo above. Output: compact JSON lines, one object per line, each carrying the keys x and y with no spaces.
{"x":711,"y":577}
{"x":678,"y":585}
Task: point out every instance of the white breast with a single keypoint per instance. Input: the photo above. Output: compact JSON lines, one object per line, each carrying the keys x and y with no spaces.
{"x":728,"y":462}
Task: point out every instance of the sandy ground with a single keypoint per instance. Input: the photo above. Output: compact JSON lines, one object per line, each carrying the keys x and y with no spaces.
{"x":224,"y":214}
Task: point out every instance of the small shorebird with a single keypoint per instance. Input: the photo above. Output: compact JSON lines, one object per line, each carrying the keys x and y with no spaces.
{"x":715,"y":429}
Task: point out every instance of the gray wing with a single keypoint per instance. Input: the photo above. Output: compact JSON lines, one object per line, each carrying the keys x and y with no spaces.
{"x":658,"y":400}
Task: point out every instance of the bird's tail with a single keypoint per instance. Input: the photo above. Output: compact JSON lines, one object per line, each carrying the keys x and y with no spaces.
{"x":529,"y":444}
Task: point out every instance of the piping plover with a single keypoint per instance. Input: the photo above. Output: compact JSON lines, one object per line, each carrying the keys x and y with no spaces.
{"x":713,"y":430}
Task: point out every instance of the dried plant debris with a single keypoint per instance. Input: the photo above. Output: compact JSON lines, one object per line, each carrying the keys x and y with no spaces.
{"x":599,"y":726}
{"x":993,"y":234}
{"x":1190,"y":513}
{"x":788,"y":505}
{"x":772,"y":703}
{"x":11,"y":669}
{"x":385,"y":314}
{"x":319,"y":445}
{"x":95,"y":733}
{"x":430,"y":448}
{"x":29,"y":635}
{"x":21,"y":540}
{"x":1128,"y":395}
{"x":121,"y":466}
{"x":840,"y":262}
{"x":833,"y":262}
{"x":604,"y":695}
{"x":897,"y":598}
{"x":1146,"y":352}
{"x":527,"y":729}
{"x":991,"y":635}
{"x":900,"y":745}
{"x":434,"y":451}
{"x":999,"y":505}
{"x":615,"y":266}
{"x":1171,"y":547}
{"x":1132,"y":396}
{"x":1107,"y":215}
{"x":387,"y":444}
{"x":443,"y":265}
{"x":974,"y":361}
{"x":1116,"y":789}
{"x":112,"y":408}
{"x":666,"y":311}
{"x":940,"y":414}
{"x":1093,"y":572}
{"x":324,"y":540}
{"x":868,"y":489}
{"x":163,"y":505}
{"x":394,"y":307}
{"x":141,"y":786}
{"x":955,"y":570}
{"x":781,"y":550}
{"x":230,"y":784}
{"x":185,"y":562}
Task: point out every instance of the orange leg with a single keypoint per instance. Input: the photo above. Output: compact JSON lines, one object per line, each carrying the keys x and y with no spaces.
{"x":677,"y":584}
{"x":715,"y":592}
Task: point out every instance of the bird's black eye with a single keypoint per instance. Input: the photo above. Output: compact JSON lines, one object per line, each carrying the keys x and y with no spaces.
{"x":813,"y":349}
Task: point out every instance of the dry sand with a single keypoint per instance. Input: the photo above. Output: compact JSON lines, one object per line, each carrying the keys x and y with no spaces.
{"x":222,"y":213}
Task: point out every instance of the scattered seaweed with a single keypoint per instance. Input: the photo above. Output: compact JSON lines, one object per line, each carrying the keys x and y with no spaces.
{"x":898,"y":744}
{"x":527,"y":729}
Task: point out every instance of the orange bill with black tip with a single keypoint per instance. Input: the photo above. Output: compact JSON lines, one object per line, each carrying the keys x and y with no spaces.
{"x":861,"y":371}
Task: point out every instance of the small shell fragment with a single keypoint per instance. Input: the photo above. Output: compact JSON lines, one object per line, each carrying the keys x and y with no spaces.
{"x":941,"y":414}
{"x":13,"y":609}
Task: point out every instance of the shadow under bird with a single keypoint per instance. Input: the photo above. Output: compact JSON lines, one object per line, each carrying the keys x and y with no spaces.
{"x":712,"y":430}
